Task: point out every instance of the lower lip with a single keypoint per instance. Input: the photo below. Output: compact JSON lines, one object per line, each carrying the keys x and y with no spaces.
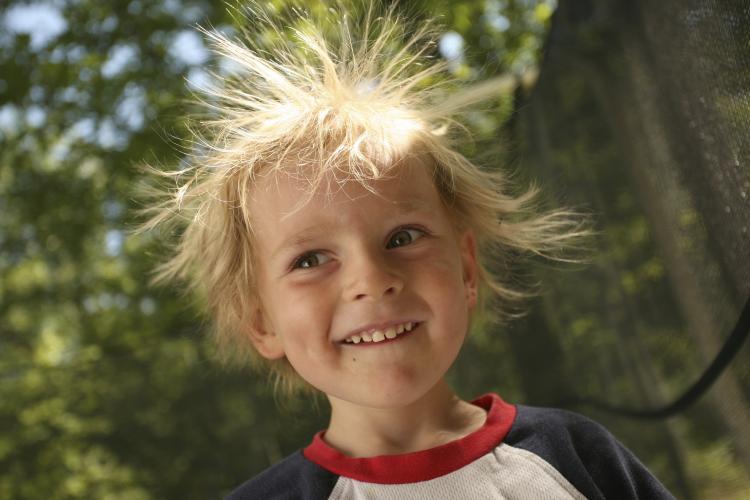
{"x":386,"y":341}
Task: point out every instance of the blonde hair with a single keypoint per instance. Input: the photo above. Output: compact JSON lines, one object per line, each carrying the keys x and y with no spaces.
{"x":351,"y":105}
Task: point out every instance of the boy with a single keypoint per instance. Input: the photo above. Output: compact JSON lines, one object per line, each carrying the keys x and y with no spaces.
{"x":337,"y":234}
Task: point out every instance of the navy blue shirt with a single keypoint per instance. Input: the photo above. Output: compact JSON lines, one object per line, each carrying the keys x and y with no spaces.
{"x":520,"y":452}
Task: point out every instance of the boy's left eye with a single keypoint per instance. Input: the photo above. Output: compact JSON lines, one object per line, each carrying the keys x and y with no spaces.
{"x":404,"y":237}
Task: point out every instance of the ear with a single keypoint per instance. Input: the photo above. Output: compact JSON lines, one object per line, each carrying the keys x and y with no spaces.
{"x":470,"y":266}
{"x":263,"y":337}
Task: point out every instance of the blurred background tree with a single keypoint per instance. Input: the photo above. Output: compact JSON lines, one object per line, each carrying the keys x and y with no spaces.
{"x":108,"y":387}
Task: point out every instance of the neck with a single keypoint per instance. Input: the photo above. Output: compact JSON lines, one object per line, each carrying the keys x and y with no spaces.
{"x":436,"y":418}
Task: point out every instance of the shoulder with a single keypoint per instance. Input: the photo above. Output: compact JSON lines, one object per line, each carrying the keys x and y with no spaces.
{"x":295,"y":477}
{"x":584,"y":452}
{"x":551,"y":427}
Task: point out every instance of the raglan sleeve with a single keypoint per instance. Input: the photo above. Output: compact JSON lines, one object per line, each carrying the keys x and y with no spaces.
{"x":294,"y":478}
{"x":614,"y":469}
{"x":586,"y":454}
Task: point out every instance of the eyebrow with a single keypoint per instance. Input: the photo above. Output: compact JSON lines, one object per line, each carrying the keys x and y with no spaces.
{"x":300,"y":240}
{"x":305,"y":237}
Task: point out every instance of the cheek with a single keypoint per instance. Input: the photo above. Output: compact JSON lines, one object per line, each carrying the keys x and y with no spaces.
{"x":445,"y":275}
{"x":302,"y":317}
{"x":441,"y":284}
{"x":300,"y":301}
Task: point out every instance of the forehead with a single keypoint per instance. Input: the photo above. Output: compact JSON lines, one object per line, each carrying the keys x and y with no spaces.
{"x":285,"y":197}
{"x":287,"y":217}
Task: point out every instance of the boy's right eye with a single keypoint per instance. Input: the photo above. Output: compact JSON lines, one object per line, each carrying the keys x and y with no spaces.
{"x":310,"y":259}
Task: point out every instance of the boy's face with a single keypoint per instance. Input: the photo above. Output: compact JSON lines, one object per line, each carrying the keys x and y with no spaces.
{"x":350,"y":262}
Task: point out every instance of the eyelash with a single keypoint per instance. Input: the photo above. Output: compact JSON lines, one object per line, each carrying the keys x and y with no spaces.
{"x":297,"y":264}
{"x":422,"y":232}
{"x":298,"y":261}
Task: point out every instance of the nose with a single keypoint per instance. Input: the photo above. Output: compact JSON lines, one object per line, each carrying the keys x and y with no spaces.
{"x":369,"y":277}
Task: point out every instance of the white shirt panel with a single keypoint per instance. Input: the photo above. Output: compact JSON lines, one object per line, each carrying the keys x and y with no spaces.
{"x":506,"y":473}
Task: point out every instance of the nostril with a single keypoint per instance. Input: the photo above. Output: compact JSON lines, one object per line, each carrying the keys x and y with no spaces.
{"x":372,"y":288}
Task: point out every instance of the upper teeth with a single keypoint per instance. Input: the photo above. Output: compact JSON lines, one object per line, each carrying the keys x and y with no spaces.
{"x":380,"y":335}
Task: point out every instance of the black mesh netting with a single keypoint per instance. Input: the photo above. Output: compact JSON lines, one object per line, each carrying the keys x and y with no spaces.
{"x":641,"y":116}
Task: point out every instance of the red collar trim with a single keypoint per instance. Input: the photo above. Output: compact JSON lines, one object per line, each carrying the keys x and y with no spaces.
{"x":420,"y":465}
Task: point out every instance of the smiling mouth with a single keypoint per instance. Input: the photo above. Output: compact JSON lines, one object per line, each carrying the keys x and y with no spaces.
{"x":389,"y":334}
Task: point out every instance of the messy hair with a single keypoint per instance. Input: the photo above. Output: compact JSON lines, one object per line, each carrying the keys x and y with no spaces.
{"x":352,"y":105}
